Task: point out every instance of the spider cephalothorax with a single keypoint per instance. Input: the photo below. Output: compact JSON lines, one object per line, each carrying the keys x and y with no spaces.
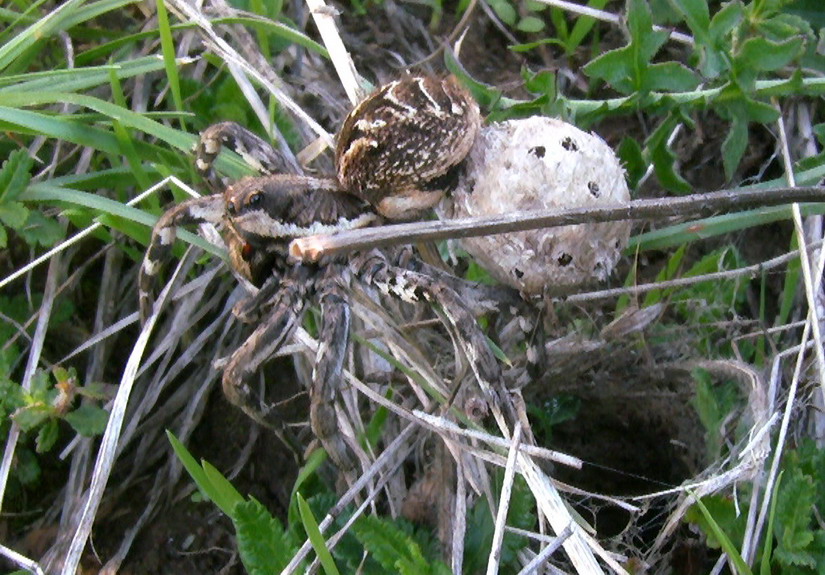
{"x":261,"y":215}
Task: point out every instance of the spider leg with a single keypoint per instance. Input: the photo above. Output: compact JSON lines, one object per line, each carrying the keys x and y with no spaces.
{"x":412,"y":286}
{"x":197,"y":211}
{"x":275,"y":330}
{"x":328,"y":369}
{"x":250,"y":309}
{"x":255,"y":151}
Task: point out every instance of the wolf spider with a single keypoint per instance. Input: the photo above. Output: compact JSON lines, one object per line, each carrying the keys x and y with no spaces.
{"x":392,"y":157}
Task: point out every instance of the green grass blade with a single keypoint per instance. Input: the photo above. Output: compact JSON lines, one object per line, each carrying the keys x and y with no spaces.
{"x":316,"y":538}
{"x":168,"y":48}
{"x":218,"y":492}
{"x":78,"y":79}
{"x":724,"y":541}
{"x":40,"y":29}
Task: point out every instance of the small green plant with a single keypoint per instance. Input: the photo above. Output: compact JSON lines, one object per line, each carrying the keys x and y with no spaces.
{"x":52,"y":399}
{"x":391,"y":546}
{"x":795,"y":542}
{"x":31,"y":225}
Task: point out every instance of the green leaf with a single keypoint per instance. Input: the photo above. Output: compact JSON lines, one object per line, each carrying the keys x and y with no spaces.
{"x":15,"y":175}
{"x":664,"y":165}
{"x":794,"y":514}
{"x":88,"y":420}
{"x":669,"y":77}
{"x":733,"y":148}
{"x":392,"y":547}
{"x":13,"y":214}
{"x":47,"y":436}
{"x":505,"y":11}
{"x":630,"y":153}
{"x":40,"y":230}
{"x":264,"y":546}
{"x":530,"y":24}
{"x":316,"y":538}
{"x":724,"y":541}
{"x":765,"y":55}
{"x":224,"y":499}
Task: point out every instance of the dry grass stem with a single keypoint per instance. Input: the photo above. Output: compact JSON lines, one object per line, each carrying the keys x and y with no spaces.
{"x":504,"y":503}
{"x":751,"y":271}
{"x":443,"y":425}
{"x":324,"y":18}
{"x":697,"y":205}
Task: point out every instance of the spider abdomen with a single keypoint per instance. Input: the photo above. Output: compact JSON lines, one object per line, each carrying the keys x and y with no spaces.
{"x":396,"y":144}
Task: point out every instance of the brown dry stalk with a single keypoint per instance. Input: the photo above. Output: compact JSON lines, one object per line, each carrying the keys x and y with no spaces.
{"x":313,"y":248}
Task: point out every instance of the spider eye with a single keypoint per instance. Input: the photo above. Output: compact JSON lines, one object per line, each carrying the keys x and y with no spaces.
{"x":255,"y":199}
{"x":230,"y":208}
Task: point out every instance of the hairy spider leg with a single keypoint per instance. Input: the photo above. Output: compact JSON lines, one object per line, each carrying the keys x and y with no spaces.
{"x":256,"y":152}
{"x":275,"y":330}
{"x":250,"y":309}
{"x":328,"y":370}
{"x":411,"y":286}
{"x":208,"y":209}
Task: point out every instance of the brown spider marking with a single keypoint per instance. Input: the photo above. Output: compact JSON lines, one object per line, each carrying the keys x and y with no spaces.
{"x":392,"y":146}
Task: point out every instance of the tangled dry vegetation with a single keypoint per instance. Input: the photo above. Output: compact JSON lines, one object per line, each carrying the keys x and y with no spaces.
{"x":694,"y":374}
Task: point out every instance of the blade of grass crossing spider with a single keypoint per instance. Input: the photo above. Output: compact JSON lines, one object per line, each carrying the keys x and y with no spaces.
{"x":169,"y":62}
{"x":125,"y":139}
{"x":316,"y":538}
{"x":47,"y":193}
{"x":225,"y":497}
{"x":724,"y":541}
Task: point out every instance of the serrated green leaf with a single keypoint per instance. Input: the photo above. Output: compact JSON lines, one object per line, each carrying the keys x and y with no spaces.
{"x":794,"y":511}
{"x":263,"y":544}
{"x":487,"y":96}
{"x":47,"y":436}
{"x":645,"y":40}
{"x":391,"y":546}
{"x":13,"y":214}
{"x":761,"y":112}
{"x":530,"y":24}
{"x":697,"y":17}
{"x":669,"y":77}
{"x":15,"y":175}
{"x":32,"y":415}
{"x":26,"y":467}
{"x":766,"y":56}
{"x":630,"y":153}
{"x":88,"y":420}
{"x":40,"y":230}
